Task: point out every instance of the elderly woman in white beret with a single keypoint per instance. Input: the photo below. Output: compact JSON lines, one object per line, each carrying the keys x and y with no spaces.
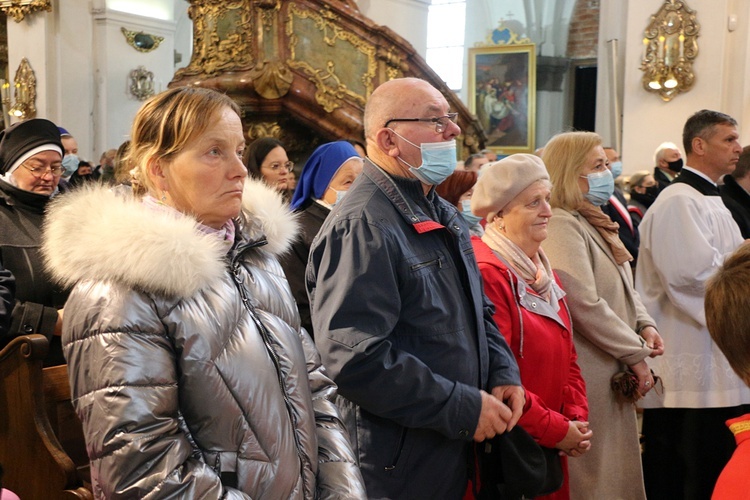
{"x":513,"y":196}
{"x":613,"y":331}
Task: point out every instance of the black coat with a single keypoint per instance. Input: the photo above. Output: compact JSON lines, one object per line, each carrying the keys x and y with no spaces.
{"x":661,"y":178}
{"x":630,"y":237}
{"x":737,"y":201}
{"x":294,"y":262}
{"x":37,"y":297}
{"x":7,"y":298}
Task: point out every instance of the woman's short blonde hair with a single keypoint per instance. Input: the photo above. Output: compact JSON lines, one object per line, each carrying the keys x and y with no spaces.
{"x":565,"y":156}
{"x":167,"y":122}
{"x":727,"y":300}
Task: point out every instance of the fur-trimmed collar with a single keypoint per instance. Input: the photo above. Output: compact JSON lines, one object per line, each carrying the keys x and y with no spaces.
{"x":92,"y":233}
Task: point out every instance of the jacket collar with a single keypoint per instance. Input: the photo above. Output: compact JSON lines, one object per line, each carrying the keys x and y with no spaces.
{"x":697,"y":182}
{"x":92,"y":233}
{"x":524,"y":295}
{"x":407,"y":196}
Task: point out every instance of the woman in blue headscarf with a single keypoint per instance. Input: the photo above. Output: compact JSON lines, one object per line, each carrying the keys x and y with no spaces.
{"x":325,"y":179}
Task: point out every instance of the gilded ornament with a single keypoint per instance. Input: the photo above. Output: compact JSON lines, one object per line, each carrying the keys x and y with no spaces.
{"x":141,"y":83}
{"x":18,"y":9}
{"x":263,"y":129}
{"x":140,"y":41}
{"x":331,"y":87}
{"x":25,"y":92}
{"x":272,"y":79}
{"x":222,"y":34}
{"x":670,"y":45}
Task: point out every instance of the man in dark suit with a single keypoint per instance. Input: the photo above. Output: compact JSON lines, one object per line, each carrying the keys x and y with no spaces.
{"x":617,"y":208}
{"x":735,"y":193}
{"x":668,"y":161}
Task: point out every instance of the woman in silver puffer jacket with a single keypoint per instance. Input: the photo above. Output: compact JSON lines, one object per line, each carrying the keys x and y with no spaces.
{"x":188,"y":366}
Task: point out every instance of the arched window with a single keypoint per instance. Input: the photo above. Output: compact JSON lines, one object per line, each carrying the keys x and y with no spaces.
{"x":446,"y":22}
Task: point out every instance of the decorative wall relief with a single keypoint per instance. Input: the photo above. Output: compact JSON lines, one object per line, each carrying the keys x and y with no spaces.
{"x":140,"y":41}
{"x":317,"y":42}
{"x":263,"y":129}
{"x":395,"y":65}
{"x":272,"y":79}
{"x":24,"y":85}
{"x":670,"y":44}
{"x":222,"y":34}
{"x":19,"y":9}
{"x":141,"y":83}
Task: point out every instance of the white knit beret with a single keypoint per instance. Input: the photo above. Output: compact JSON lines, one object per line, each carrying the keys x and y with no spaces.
{"x":503,"y":180}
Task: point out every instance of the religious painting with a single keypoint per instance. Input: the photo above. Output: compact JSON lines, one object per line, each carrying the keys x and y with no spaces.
{"x":502,"y":94}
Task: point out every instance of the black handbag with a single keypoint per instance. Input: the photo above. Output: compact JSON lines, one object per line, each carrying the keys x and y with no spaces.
{"x":513,"y":466}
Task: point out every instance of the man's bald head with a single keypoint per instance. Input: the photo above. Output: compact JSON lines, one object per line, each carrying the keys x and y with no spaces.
{"x":394,"y":99}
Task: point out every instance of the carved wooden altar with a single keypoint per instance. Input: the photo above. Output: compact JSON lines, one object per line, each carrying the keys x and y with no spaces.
{"x":302,"y":70}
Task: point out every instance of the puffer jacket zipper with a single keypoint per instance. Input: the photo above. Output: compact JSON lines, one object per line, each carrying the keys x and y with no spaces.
{"x":265,"y":335}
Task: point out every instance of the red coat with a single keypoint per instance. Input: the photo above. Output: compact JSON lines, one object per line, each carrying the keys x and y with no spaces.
{"x":734,"y":481}
{"x":542,"y":342}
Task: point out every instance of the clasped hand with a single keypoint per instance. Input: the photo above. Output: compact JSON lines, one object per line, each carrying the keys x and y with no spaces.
{"x":577,"y":440}
{"x":496,"y":416}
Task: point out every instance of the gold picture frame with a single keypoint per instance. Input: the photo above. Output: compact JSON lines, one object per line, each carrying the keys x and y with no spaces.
{"x":502,"y":94}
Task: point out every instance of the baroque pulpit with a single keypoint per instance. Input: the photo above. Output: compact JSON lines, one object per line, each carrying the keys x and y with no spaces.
{"x":303,"y":70}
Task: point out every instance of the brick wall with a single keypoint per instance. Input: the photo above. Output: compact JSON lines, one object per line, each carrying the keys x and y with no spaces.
{"x":584,"y":30}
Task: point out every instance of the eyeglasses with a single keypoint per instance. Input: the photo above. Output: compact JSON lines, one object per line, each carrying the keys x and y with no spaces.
{"x":40,"y":171}
{"x":289,"y":166}
{"x":441,"y":122}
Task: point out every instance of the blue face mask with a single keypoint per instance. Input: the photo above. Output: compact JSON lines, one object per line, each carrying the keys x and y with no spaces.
{"x":70,"y":164}
{"x":438,"y":161}
{"x":601,"y":187}
{"x":339,"y":196}
{"x":616,"y":168}
{"x":466,"y":212}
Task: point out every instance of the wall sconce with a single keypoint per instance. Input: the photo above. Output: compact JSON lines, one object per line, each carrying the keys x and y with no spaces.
{"x":141,"y":83}
{"x":670,"y":45}
{"x":25,"y":92}
{"x":140,"y":41}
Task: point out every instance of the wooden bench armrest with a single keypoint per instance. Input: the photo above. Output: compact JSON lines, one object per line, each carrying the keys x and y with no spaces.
{"x":36,"y":464}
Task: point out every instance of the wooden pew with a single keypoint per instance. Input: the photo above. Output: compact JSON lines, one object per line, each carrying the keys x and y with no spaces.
{"x":41,"y":440}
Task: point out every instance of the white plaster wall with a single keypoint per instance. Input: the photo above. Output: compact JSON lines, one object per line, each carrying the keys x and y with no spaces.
{"x":183,"y":36}
{"x":81,"y":61}
{"x":721,"y":70}
{"x":58,"y":46}
{"x":39,"y":56}
{"x":114,"y":60}
{"x":74,"y":95}
{"x":408,"y":18}
{"x":610,"y":62}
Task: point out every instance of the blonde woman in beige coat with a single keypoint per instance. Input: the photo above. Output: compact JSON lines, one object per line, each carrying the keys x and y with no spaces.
{"x":612,"y":330}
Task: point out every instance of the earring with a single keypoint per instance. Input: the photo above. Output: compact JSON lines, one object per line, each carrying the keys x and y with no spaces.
{"x":499,"y":223}
{"x":164,"y":197}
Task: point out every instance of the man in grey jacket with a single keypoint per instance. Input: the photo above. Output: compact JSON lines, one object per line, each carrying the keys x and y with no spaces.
{"x":405,"y":329}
